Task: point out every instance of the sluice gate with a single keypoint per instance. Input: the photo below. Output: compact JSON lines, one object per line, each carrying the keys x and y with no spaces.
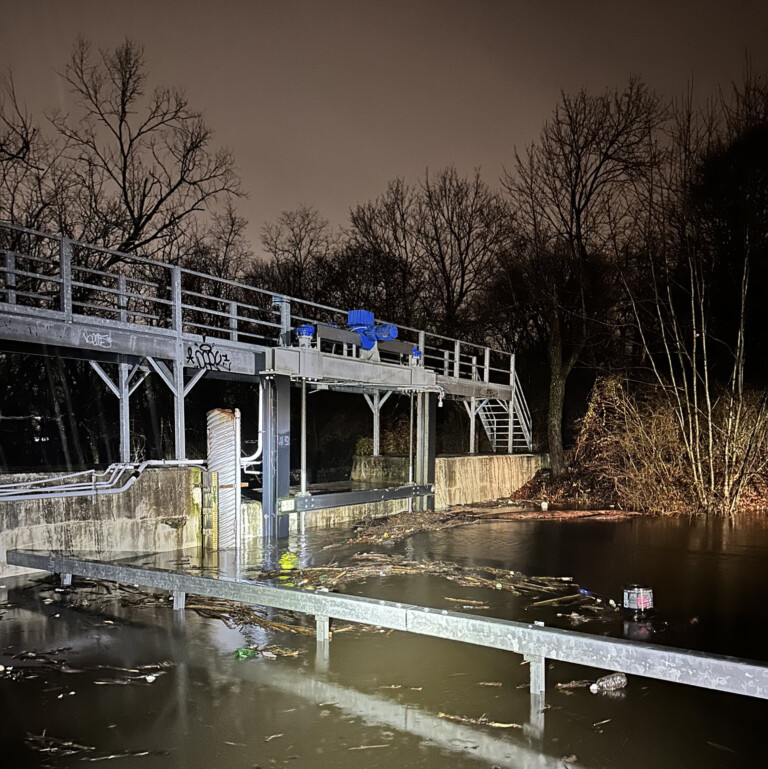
{"x":131,"y":317}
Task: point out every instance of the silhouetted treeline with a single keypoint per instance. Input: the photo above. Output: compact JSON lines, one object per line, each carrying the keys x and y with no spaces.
{"x":628,"y":238}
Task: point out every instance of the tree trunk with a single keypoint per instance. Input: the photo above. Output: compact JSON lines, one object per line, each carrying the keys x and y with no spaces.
{"x":558,"y":373}
{"x":57,"y":413}
{"x":555,"y":423}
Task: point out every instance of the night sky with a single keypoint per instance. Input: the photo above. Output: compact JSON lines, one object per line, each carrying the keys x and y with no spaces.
{"x":323,"y":102}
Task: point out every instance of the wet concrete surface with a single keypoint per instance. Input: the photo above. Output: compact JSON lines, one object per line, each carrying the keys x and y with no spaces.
{"x":148,"y":687}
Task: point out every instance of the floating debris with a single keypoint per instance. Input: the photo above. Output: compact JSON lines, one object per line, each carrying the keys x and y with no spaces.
{"x":54,"y":746}
{"x":368,"y":747}
{"x":482,"y":721}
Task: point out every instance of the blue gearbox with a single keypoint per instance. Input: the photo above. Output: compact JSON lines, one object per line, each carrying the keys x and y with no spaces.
{"x":362,"y":323}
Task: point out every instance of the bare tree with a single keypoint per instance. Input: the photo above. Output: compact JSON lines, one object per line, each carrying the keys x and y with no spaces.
{"x":570,"y":191}
{"x":382,"y":260}
{"x":299,"y":243}
{"x":710,"y":236}
{"x":143,"y":160}
{"x":437,"y":242}
{"x":17,"y":133}
{"x":463,"y":228}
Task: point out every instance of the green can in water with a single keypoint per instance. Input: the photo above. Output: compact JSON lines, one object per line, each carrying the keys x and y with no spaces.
{"x":638,"y":600}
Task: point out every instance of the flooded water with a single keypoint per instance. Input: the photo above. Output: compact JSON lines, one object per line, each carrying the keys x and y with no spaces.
{"x":380,"y":698}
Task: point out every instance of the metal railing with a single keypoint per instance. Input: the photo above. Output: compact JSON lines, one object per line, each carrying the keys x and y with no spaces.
{"x":58,"y":277}
{"x":535,"y":641}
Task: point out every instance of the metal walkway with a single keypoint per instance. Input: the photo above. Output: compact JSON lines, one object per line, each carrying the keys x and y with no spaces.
{"x":131,"y":316}
{"x":536,"y":642}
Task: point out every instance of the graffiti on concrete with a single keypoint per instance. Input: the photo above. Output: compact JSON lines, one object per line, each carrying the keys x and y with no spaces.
{"x":205,"y":355}
{"x":96,"y":339}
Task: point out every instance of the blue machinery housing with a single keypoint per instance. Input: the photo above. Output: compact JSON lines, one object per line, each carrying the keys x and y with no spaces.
{"x":131,"y":317}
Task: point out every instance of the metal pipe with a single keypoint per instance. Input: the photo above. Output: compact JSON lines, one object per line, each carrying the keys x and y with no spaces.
{"x":256,"y":456}
{"x":12,"y":493}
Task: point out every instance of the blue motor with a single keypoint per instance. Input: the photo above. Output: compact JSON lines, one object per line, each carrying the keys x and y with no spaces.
{"x":361,"y":322}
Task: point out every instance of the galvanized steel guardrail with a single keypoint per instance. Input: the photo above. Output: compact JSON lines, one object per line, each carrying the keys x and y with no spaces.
{"x":536,"y":642}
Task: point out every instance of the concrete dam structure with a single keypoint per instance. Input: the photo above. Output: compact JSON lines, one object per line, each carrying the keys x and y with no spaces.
{"x":131,"y":318}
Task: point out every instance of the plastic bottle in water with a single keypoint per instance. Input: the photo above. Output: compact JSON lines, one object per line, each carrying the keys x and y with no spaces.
{"x":609,"y":683}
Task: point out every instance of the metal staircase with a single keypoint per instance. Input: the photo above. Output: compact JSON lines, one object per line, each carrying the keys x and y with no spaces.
{"x":507,"y":432}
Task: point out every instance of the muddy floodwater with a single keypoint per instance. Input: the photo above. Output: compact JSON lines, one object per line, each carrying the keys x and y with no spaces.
{"x":142,"y":686}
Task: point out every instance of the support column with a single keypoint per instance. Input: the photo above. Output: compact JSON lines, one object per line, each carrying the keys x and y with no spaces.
{"x":426,"y":420}
{"x":375,"y":405}
{"x":537,"y":665}
{"x":123,"y":391}
{"x":472,"y":421}
{"x":125,"y":415}
{"x":323,"y":627}
{"x":179,"y":600}
{"x":376,"y":423}
{"x":174,"y":380}
{"x":276,"y":457}
{"x":304,"y":483}
{"x":179,"y":420}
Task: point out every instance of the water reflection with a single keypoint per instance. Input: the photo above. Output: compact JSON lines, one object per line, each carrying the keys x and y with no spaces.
{"x":376,"y":697}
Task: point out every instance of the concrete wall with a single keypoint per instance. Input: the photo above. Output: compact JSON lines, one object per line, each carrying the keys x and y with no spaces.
{"x":460,"y":480}
{"x":320,"y":519}
{"x":480,"y":478}
{"x":161,"y":511}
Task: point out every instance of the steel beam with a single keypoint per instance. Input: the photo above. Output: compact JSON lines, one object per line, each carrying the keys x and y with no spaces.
{"x":357,"y":497}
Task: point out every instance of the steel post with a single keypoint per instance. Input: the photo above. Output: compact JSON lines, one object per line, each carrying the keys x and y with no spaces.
{"x":179,"y":423}
{"x":426,"y":419}
{"x":122,"y":299}
{"x":304,"y":491}
{"x":176,"y":308}
{"x":233,"y":321}
{"x":535,"y":726}
{"x":276,"y":457}
{"x":511,"y":406}
{"x":124,"y":395}
{"x":457,"y":359}
{"x":472,"y":415}
{"x":323,"y":627}
{"x":487,"y":365}
{"x":537,"y":664}
{"x":65,"y":270}
{"x":179,"y":600}
{"x":376,"y":407}
{"x":10,"y":277}
{"x":285,"y":321}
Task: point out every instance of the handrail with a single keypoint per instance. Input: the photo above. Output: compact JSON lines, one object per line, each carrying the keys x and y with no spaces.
{"x":176,"y":299}
{"x":535,"y":641}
